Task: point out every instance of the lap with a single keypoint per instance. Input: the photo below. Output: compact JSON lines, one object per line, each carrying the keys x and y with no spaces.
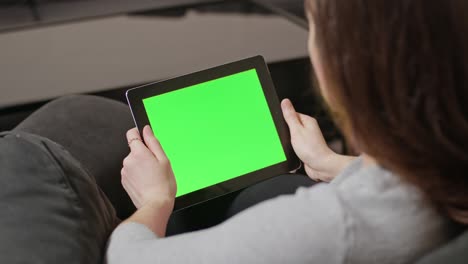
{"x":274,"y":187}
{"x":93,"y":130}
{"x":216,"y":211}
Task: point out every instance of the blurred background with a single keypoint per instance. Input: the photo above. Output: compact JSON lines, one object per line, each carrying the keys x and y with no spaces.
{"x":51,"y":48}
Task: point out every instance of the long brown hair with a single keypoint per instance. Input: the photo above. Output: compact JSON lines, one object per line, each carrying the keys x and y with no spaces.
{"x":398,"y":71}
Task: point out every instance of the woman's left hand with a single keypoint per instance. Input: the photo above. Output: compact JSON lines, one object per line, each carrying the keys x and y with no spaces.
{"x":147,"y":174}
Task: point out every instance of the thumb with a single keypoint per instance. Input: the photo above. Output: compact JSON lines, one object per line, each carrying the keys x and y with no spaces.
{"x":290,"y":115}
{"x":153,"y":144}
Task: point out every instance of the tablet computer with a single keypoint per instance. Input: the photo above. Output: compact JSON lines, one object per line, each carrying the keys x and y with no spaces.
{"x":221,"y":128}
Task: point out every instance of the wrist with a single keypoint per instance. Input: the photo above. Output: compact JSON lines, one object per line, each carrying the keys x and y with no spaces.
{"x":160,"y":205}
{"x":328,"y":166}
{"x":154,"y":214}
{"x":338,"y":163}
{"x":156,"y":197}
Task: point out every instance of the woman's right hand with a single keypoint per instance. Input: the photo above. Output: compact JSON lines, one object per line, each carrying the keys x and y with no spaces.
{"x":320,"y":162}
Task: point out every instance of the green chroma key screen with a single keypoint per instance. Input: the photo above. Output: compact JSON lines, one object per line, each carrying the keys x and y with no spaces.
{"x":215,"y":131}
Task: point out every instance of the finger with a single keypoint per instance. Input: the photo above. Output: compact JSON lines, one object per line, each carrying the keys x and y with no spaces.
{"x":153,"y":143}
{"x":134,"y":141}
{"x":290,"y":115}
{"x":133,"y":133}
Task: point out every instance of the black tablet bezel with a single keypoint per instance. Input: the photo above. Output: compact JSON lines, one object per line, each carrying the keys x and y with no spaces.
{"x":136,"y":95}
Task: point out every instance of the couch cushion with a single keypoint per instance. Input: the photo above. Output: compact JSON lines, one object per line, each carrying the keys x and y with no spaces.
{"x":51,"y":210}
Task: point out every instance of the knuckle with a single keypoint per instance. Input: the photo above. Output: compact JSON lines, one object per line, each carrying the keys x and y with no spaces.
{"x":129,"y":132}
{"x":130,"y":160}
{"x":133,"y":132}
{"x":311,"y":120}
{"x":126,"y":161}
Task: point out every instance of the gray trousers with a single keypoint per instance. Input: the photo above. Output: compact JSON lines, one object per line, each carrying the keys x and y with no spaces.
{"x":93,"y":130}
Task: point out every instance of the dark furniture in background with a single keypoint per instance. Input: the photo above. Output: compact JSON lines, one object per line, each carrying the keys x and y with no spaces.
{"x":16,"y":14}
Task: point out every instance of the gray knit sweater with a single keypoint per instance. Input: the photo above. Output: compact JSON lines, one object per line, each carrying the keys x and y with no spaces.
{"x":366,"y":215}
